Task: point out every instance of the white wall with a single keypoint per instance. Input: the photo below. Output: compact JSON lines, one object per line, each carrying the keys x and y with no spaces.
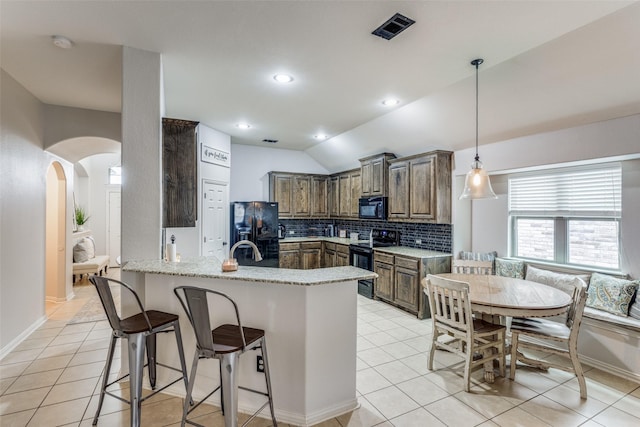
{"x":249,"y":179}
{"x":604,"y":141}
{"x":23,"y":169}
{"x":61,"y":123}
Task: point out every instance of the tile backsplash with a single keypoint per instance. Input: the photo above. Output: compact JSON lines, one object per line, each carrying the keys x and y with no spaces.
{"x":435,"y":237}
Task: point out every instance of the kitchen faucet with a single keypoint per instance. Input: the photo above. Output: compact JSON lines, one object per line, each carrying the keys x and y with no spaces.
{"x":231,"y":264}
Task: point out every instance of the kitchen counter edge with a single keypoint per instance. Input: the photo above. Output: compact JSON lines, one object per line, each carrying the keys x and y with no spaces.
{"x":211,"y":267}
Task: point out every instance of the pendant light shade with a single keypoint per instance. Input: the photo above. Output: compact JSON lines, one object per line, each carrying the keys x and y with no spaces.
{"x":477,"y":184}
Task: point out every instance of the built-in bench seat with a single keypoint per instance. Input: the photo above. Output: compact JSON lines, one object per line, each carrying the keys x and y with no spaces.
{"x":607,"y":341}
{"x":623,"y":322}
{"x":96,"y":265}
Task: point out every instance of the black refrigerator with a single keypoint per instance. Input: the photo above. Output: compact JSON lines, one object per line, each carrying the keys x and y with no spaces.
{"x":257,"y":222}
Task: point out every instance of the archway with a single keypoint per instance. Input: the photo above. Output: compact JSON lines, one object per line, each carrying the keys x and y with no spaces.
{"x":55,"y":234}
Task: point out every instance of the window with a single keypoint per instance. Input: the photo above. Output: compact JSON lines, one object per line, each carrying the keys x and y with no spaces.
{"x":115,"y":175}
{"x":570,"y":216}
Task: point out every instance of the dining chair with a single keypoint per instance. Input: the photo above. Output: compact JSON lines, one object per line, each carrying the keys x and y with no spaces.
{"x":226,"y":343}
{"x":451,"y":315}
{"x":464,"y":266}
{"x":140,"y":331}
{"x":563,"y":336}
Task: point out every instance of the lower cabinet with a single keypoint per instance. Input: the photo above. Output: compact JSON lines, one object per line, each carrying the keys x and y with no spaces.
{"x":311,"y":255}
{"x":308,"y":255}
{"x":399,"y":280}
{"x":329,"y":255}
{"x":289,"y":255}
{"x":342,"y":255}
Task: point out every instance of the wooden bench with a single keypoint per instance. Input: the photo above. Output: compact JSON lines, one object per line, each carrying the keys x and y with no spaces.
{"x":97,"y":265}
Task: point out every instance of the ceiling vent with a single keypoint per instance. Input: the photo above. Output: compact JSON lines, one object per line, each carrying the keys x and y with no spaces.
{"x":270,"y":141}
{"x":394,"y":26}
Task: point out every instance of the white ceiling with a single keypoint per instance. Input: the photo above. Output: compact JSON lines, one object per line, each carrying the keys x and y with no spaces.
{"x":548,"y":65}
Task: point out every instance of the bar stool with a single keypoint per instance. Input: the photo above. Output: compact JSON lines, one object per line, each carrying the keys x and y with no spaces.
{"x":140,"y":331}
{"x":225,"y":343}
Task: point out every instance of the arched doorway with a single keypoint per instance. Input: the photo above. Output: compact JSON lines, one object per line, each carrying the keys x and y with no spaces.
{"x":55,"y":234}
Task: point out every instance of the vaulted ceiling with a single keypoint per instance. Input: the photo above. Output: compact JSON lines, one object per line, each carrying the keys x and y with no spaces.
{"x":548,"y":65}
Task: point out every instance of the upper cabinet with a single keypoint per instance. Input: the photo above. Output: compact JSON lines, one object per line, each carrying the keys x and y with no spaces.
{"x":299,"y":195}
{"x":346,"y":188}
{"x":179,"y":173}
{"x":420,"y":188}
{"x":374,"y":174}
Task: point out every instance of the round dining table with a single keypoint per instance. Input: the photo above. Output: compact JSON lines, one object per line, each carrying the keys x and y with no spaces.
{"x":497,"y":297}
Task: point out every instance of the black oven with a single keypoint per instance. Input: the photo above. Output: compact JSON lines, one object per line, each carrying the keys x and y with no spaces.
{"x":362,"y":257}
{"x":372,"y":208}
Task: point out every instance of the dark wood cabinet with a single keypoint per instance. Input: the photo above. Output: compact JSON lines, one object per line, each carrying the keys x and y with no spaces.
{"x":400,"y":277}
{"x":289,"y":256}
{"x":420,"y":188}
{"x":329,"y":255}
{"x":356,"y":191}
{"x":180,"y":173}
{"x":407,"y":283}
{"x":334,"y":197}
{"x":342,"y":255}
{"x":319,"y":196}
{"x":374,"y":174}
{"x":344,"y":191}
{"x":384,"y":268}
{"x":281,"y":191}
{"x":398,"y":204}
{"x":299,"y":195}
{"x":311,"y":255}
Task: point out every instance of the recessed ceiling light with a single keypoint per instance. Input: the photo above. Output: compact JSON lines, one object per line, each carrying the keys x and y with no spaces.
{"x":283,"y":78}
{"x":390,"y":102}
{"x":62,"y":42}
{"x":320,"y":137}
{"x":243,"y":126}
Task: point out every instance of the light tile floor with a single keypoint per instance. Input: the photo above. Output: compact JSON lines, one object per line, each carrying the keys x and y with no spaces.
{"x":52,"y":379}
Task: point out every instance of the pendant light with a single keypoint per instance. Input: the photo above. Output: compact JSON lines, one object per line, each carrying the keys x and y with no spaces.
{"x":477,"y":184}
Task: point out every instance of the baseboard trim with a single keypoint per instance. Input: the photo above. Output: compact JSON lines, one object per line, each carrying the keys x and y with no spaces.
{"x":17,"y":340}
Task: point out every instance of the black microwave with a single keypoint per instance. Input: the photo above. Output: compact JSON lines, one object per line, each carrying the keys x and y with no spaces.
{"x":372,"y":208}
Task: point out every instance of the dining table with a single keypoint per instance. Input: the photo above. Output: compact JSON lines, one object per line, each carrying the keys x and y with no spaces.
{"x":499,"y":297}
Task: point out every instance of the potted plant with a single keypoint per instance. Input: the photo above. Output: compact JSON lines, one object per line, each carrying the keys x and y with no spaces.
{"x":81,"y":217}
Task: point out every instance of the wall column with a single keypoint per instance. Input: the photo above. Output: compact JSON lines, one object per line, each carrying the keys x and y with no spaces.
{"x":141,"y":158}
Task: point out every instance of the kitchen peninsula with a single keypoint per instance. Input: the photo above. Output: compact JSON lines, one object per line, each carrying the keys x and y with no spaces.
{"x":309,"y":317}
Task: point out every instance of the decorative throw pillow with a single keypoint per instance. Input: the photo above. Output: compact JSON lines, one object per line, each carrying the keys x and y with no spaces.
{"x":509,"y":268}
{"x":84,"y":250}
{"x":611,"y":294}
{"x":564,"y":282}
{"x":478,"y":256}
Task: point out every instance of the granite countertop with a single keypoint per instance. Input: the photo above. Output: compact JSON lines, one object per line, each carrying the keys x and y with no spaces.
{"x":338,"y":240}
{"x":395,"y":250}
{"x":211,"y":267}
{"x":412,"y":252}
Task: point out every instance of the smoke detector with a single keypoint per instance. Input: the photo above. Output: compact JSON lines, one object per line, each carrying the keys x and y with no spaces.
{"x":393,"y":26}
{"x":62,"y":42}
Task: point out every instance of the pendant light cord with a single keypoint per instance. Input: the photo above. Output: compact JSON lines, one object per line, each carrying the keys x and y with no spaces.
{"x":477,"y":62}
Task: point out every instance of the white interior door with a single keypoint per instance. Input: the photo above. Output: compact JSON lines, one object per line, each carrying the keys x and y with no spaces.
{"x":215,"y":219}
{"x":113,"y":228}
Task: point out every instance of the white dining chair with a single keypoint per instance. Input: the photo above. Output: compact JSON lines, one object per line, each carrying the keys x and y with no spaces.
{"x":451,"y":315}
{"x":564,"y":337}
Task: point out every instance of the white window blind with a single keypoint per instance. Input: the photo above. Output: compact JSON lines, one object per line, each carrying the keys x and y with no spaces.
{"x":594,"y":193}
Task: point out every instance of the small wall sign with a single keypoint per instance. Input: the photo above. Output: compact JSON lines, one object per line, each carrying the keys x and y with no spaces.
{"x":217,"y":157}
